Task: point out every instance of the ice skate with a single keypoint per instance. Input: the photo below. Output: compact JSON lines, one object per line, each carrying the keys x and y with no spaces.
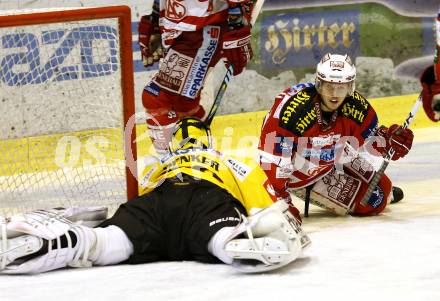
{"x":396,"y":194}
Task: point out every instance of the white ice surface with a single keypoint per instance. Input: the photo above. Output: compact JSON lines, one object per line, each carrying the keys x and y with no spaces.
{"x":394,"y":256}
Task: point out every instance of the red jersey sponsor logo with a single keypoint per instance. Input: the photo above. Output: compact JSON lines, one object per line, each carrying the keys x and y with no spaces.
{"x":336,"y":65}
{"x":173,"y":71}
{"x":341,"y":189}
{"x":351,"y":111}
{"x":175,"y":10}
{"x":325,"y":140}
{"x":316,"y":170}
{"x":298,"y":100}
{"x":200,"y":66}
{"x":214,"y":32}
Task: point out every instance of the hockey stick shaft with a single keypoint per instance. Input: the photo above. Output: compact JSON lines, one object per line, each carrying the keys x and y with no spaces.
{"x":219,"y":96}
{"x":230,"y":70}
{"x":387,"y":159}
{"x":307,"y":201}
{"x":256,"y":10}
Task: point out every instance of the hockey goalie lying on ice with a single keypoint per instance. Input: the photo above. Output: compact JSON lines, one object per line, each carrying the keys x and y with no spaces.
{"x":194,"y":205}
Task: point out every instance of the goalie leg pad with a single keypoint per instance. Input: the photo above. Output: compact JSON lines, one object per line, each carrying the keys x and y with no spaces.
{"x":90,"y":216}
{"x":62,"y":242}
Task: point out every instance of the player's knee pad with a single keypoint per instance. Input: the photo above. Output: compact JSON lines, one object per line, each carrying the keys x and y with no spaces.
{"x":268,"y":240}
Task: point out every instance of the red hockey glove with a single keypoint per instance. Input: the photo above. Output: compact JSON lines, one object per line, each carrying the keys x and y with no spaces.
{"x":149,"y":41}
{"x":398,"y":138}
{"x":237,"y":48}
{"x":430,"y":94}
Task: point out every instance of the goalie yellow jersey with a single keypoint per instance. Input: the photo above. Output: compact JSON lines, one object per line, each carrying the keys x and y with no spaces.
{"x":243,"y":178}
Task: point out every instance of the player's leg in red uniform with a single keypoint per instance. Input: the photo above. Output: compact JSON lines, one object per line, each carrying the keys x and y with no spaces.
{"x":174,"y":93}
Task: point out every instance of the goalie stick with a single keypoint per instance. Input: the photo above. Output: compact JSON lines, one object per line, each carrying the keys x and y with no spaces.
{"x":390,"y":154}
{"x":258,"y":4}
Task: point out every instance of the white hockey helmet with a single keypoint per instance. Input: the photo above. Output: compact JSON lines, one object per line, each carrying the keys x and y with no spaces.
{"x":335,"y":75}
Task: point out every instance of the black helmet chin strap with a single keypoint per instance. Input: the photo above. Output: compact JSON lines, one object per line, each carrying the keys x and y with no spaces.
{"x":184,"y":127}
{"x":185,"y":124}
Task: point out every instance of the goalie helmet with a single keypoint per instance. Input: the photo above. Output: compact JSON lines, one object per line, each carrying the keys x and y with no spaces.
{"x":190,"y":133}
{"x":335,"y":75}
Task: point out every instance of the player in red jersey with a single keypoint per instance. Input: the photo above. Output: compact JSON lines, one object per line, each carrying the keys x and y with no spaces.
{"x":312,"y":138}
{"x":431,"y":82}
{"x":194,"y":35}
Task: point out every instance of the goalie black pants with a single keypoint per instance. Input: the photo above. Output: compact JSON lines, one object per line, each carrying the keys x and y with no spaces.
{"x":176,"y":221}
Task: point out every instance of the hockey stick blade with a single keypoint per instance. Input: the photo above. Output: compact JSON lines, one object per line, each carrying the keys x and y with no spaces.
{"x":390,"y":154}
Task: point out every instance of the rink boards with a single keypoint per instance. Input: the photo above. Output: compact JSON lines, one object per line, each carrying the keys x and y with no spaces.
{"x":237,"y":131}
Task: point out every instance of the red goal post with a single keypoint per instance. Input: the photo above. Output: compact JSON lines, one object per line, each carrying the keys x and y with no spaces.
{"x":59,"y":97}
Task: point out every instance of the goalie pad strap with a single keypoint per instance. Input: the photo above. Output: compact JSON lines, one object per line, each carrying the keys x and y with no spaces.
{"x":216,"y":245}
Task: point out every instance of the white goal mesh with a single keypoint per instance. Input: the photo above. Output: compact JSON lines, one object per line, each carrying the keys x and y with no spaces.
{"x":62,"y":104}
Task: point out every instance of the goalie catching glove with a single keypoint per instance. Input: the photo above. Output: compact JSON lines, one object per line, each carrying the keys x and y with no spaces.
{"x":267,"y":240}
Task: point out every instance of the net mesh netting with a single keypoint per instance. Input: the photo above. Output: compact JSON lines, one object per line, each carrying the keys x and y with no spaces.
{"x":62,"y":116}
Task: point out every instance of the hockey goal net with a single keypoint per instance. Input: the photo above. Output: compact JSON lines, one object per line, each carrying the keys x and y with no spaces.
{"x":66,"y":92}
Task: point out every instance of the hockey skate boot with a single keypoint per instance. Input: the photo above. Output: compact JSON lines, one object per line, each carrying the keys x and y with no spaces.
{"x":396,"y":194}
